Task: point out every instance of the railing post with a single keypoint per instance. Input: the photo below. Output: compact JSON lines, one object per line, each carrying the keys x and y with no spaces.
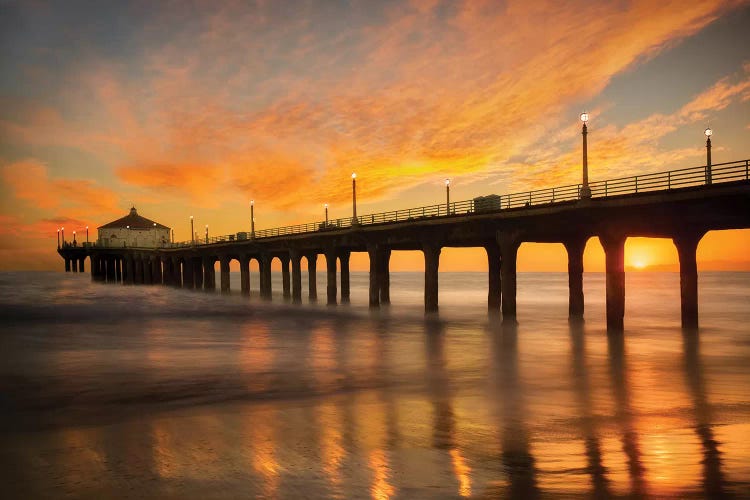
{"x":636,"y":184}
{"x":553,"y":195}
{"x":669,"y":180}
{"x":606,"y":190}
{"x":747,"y":170}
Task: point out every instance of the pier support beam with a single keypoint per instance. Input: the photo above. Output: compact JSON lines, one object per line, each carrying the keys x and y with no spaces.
{"x":431,"y":265}
{"x":494,"y":290}
{"x":312,"y":276}
{"x":686,"y":244}
{"x":209,"y":274}
{"x":285,"y":280}
{"x":130,"y":273}
{"x":266,"y":287}
{"x":67,"y":265}
{"x":224,"y":269}
{"x":148,"y":277}
{"x":188,"y":280}
{"x":245,"y":275}
{"x":110,"y":272}
{"x":74,"y":263}
{"x":509,"y":243}
{"x":331,"y":290}
{"x":118,"y":269}
{"x":614,"y":251}
{"x":296,"y":260}
{"x":176,"y":272}
{"x":575,"y":247}
{"x":198,"y":273}
{"x":344,"y":261}
{"x":138,"y":277}
{"x":375,"y":275}
{"x":384,"y":275}
{"x":81,"y":265}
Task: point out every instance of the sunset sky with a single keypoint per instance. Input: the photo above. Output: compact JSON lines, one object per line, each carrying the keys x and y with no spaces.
{"x":183,"y":108}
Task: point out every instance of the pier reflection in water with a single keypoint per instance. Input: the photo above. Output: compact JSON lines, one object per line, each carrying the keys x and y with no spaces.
{"x":333,"y":405}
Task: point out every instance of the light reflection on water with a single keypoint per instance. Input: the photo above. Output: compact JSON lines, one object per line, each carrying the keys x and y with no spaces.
{"x":149,"y":391}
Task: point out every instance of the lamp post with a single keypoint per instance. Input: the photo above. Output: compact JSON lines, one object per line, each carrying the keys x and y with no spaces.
{"x":708,"y":133}
{"x":87,"y":235}
{"x":585,"y":189}
{"x":74,"y":238}
{"x":58,"y":238}
{"x":252,"y":219}
{"x":354,"y":199}
{"x":63,"y":236}
{"x":206,"y":234}
{"x":192,"y":231}
{"x":447,"y":196}
{"x":326,"y":207}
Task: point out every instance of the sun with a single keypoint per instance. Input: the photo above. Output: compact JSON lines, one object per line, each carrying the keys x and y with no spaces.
{"x":639,"y":264}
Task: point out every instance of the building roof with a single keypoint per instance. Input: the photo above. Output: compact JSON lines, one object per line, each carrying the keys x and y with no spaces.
{"x":133,"y":220}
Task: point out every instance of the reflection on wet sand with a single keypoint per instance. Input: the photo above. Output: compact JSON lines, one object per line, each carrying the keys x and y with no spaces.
{"x":713,"y":478}
{"x":624,"y":413}
{"x":359,"y":430}
{"x":516,"y":457}
{"x":444,"y":417}
{"x":582,"y":388}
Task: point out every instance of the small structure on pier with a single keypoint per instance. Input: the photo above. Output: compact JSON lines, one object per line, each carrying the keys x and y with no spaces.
{"x":133,"y":230}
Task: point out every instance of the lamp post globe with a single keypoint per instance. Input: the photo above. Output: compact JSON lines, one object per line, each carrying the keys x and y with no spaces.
{"x":447,"y":196}
{"x":252,"y":219}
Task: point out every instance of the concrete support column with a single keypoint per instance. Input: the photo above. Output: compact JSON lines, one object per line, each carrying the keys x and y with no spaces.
{"x":431,"y":265}
{"x":188,"y":279}
{"x":509,"y":243}
{"x":312,"y":277}
{"x":81,"y":265}
{"x":130,"y":274}
{"x":296,"y":259}
{"x":374,"y":253}
{"x":245,"y":275}
{"x":331,"y":272}
{"x":67,"y":265}
{"x":138,"y":277}
{"x":166,"y":264}
{"x":93,"y":267}
{"x":198,"y":272}
{"x":344,"y":261}
{"x":111,"y":275}
{"x":384,"y":275}
{"x":575,"y":247}
{"x":74,"y":263}
{"x":687,"y":244}
{"x":118,"y":270}
{"x":614,"y":250}
{"x":224,"y":269}
{"x":147,"y":271}
{"x":494,"y":291}
{"x":285,"y":282}
{"x":209,"y":274}
{"x":176,"y":272}
{"x":266,"y":285}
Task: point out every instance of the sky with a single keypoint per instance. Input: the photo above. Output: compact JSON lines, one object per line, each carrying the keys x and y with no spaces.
{"x":195,"y":108}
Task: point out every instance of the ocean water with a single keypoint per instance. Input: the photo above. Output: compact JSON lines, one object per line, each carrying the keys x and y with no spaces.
{"x":111,"y":391}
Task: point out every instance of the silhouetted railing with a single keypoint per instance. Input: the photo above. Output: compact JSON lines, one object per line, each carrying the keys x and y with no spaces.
{"x":660,"y":181}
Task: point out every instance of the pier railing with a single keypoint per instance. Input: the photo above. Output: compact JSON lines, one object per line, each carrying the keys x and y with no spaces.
{"x":659,"y":181}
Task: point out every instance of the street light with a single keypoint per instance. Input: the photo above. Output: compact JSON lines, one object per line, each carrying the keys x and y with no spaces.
{"x":447,"y":196}
{"x":63,"y":236}
{"x":58,"y":238}
{"x":206,"y":234}
{"x":74,"y":238}
{"x":585,"y":189}
{"x":354,"y":199}
{"x":192,"y":231}
{"x":252,"y":219}
{"x":708,"y":133}
{"x":87,"y":235}
{"x":326,"y":207}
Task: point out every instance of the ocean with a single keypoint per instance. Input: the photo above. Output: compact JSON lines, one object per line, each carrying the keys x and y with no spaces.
{"x":111,"y":391}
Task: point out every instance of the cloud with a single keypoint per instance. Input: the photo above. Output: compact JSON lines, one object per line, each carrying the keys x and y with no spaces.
{"x":282,"y":102}
{"x":29,"y":182}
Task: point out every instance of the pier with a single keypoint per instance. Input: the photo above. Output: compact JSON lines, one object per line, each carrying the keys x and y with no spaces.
{"x":681,"y":204}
